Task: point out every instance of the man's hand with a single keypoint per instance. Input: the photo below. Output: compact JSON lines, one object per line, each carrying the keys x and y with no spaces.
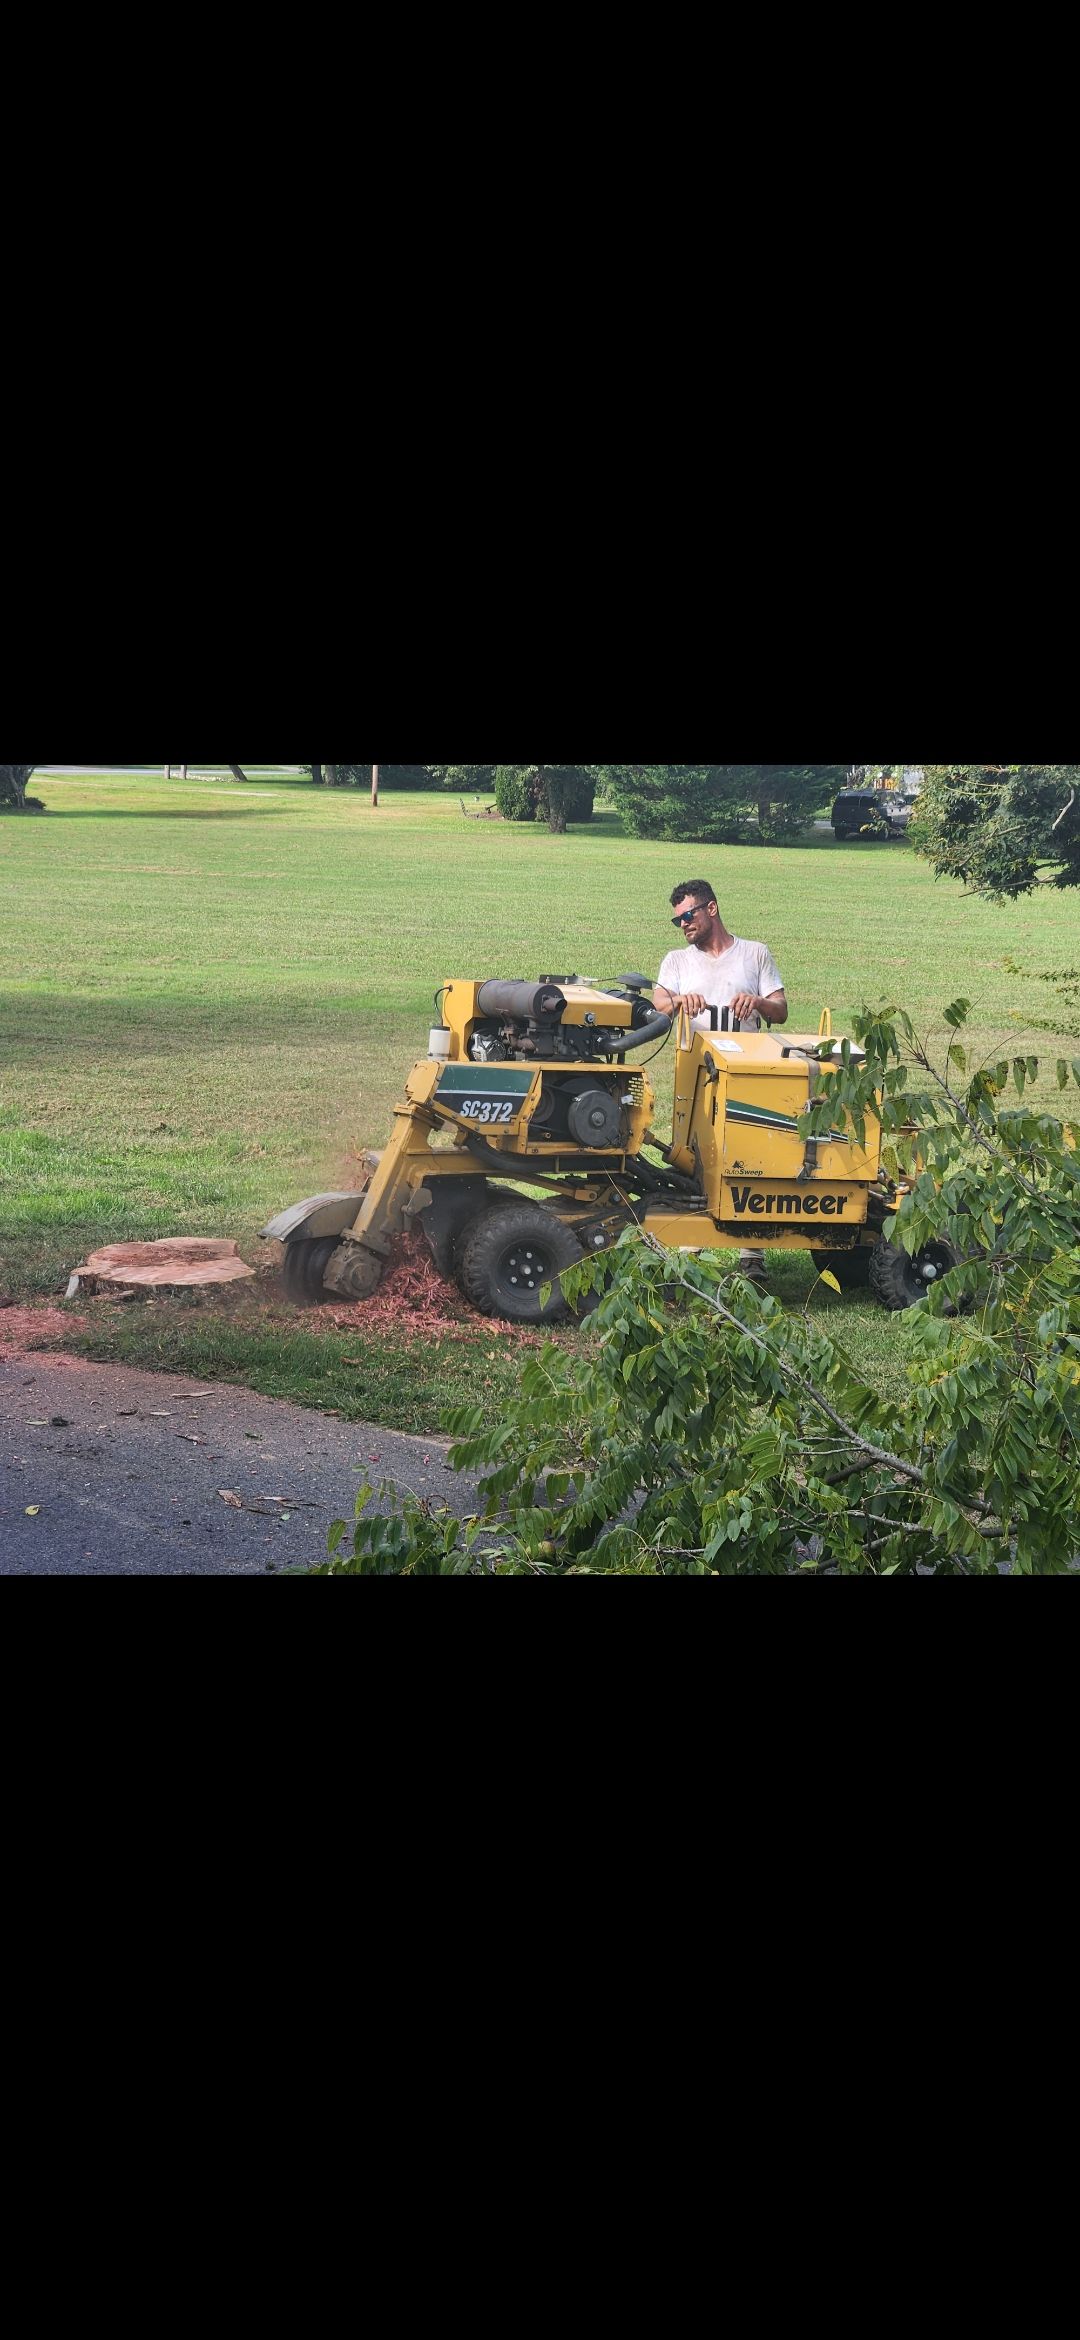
{"x":669,"y":1002}
{"x":746,"y":1004}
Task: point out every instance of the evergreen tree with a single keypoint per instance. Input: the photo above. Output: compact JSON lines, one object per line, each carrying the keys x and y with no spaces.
{"x":714,"y":804}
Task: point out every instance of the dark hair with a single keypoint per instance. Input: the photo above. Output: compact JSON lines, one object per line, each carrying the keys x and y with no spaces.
{"x":698,"y":888}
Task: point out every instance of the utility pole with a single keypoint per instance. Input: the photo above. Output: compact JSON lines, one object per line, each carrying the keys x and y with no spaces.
{"x":374,"y":788}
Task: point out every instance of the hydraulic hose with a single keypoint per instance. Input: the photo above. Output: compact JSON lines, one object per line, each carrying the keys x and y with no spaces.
{"x":655,"y":1029}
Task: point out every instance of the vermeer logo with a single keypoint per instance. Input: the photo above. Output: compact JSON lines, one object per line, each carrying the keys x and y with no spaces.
{"x":792,"y":1206}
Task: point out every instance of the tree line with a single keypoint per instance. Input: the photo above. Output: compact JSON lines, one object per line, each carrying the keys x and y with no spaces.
{"x":709,"y":804}
{"x":1002,"y":829}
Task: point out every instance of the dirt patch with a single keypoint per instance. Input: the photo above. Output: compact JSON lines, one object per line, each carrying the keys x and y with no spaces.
{"x":413,"y":1299}
{"x":35,"y":1328}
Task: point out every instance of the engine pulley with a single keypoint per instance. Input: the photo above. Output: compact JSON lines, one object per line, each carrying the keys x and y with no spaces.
{"x":594,"y":1118}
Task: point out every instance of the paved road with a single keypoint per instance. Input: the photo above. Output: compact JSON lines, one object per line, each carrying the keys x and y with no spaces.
{"x":105,"y":1471}
{"x":133,"y":771}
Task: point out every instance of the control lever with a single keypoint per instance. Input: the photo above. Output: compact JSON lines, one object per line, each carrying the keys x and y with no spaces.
{"x":727,"y":1023}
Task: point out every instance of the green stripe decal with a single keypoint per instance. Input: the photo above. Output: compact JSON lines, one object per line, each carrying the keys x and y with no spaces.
{"x":759,"y":1117}
{"x":481,"y":1080}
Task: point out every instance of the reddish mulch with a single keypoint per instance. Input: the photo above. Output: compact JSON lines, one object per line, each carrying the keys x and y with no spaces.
{"x":413,"y":1297}
{"x":25,"y":1328}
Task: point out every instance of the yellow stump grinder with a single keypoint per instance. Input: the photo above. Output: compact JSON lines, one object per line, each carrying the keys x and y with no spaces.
{"x":532,"y":1085}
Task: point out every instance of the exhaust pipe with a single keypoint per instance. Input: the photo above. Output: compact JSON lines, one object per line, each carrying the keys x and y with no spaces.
{"x":526,"y":1001}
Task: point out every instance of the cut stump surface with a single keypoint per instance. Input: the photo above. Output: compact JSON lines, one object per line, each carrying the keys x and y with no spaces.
{"x":178,"y":1260}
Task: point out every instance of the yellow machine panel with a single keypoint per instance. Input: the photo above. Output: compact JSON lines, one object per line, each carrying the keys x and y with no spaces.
{"x":738,"y":1101}
{"x":815,"y":1204}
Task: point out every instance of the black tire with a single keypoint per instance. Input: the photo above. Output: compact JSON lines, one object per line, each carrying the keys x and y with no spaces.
{"x":302,"y":1271}
{"x":508,"y":1253}
{"x":459,"y":1202}
{"x":461,"y":1236}
{"x":851,"y":1268}
{"x":898,"y":1279}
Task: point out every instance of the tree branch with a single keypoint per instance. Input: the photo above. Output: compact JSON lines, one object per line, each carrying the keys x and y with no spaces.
{"x":877,"y":1454}
{"x":960,"y":1108}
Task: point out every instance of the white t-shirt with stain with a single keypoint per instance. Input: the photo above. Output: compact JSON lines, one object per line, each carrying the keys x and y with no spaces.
{"x":744,"y":966}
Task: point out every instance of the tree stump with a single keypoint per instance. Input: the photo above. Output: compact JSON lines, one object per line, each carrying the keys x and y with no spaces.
{"x":175,"y":1264}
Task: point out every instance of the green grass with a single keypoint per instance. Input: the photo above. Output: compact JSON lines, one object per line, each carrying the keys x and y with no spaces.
{"x":210,"y":995}
{"x":406,"y":1384}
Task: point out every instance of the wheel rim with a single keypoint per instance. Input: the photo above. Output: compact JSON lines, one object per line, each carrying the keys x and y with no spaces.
{"x":523,"y":1267}
{"x":926,"y":1268}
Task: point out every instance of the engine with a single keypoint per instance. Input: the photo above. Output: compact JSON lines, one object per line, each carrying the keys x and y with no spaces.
{"x":560,"y":1019}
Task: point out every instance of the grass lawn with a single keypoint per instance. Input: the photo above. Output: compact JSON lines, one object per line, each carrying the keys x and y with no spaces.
{"x":210,"y":994}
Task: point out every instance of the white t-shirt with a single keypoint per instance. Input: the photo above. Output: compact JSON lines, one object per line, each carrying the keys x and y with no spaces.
{"x":744,"y":966}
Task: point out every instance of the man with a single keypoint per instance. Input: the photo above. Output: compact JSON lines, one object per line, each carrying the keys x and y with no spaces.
{"x":718,"y":969}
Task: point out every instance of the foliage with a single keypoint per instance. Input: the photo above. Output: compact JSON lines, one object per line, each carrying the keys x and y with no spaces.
{"x":996,"y":826}
{"x":13,"y":779}
{"x":410,"y":1537}
{"x":699,"y":803}
{"x":555,"y":793}
{"x":710,"y":1433}
{"x":720,"y":803}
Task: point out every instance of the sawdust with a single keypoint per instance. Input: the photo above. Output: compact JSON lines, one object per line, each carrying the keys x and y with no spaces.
{"x":35,"y":1328}
{"x":413,"y":1297}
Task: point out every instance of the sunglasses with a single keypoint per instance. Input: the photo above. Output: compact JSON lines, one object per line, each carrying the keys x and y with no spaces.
{"x":686,"y":917}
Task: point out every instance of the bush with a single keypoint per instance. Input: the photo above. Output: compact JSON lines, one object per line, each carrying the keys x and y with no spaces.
{"x":517,"y":791}
{"x":556,"y":793}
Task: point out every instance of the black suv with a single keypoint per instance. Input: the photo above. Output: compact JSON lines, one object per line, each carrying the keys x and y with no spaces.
{"x":868,"y":812}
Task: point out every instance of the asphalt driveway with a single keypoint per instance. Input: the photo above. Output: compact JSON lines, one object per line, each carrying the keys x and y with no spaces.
{"x":107,"y":1471}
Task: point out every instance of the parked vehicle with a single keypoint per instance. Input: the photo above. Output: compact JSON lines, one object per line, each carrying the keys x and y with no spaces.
{"x":869,"y":812}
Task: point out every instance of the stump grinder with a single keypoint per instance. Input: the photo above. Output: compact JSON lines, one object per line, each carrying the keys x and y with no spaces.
{"x":534,"y":1085}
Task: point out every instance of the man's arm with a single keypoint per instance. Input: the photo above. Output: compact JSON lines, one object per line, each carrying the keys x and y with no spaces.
{"x":773,"y":1008}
